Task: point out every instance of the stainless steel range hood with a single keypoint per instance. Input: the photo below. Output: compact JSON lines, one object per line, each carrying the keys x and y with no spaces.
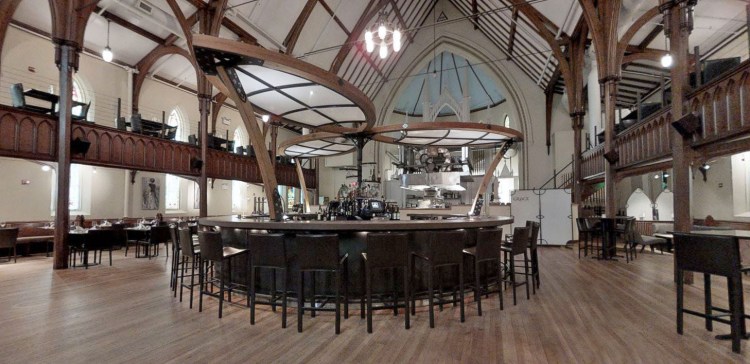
{"x":448,"y":181}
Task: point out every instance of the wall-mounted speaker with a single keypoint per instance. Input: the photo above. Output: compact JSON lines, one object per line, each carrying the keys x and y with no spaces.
{"x":687,"y":125}
{"x":196,"y":163}
{"x":79,"y":146}
{"x":612,"y":156}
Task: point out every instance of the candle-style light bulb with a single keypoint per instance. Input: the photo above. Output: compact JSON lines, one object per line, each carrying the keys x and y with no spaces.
{"x":383,"y":50}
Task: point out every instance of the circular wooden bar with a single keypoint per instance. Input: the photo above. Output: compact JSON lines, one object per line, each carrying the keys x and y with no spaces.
{"x":352,"y":241}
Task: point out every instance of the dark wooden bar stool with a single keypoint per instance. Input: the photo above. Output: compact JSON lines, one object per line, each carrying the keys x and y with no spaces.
{"x":518,"y":247}
{"x":487,"y":250}
{"x":717,"y":255}
{"x":320,"y":253}
{"x":584,"y":237}
{"x":212,"y":250}
{"x":189,"y":255}
{"x":385,"y":251}
{"x":440,"y":249}
{"x":534,"y":227}
{"x":8,"y":240}
{"x":268,"y":251}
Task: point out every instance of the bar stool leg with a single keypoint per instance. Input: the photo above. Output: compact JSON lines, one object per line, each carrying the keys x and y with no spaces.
{"x":273,"y":290}
{"x":283,"y":298}
{"x":707,"y":298}
{"x":346,"y":288}
{"x":526,"y":273}
{"x":737,"y":311}
{"x":430,"y":297}
{"x":251,"y":294}
{"x":368,"y":294}
{"x":499,"y":281}
{"x":395,"y":292}
{"x":312,"y":297}
{"x":411,"y":275}
{"x":477,"y":291}
{"x":338,"y":300}
{"x":461,"y":291}
{"x":221,"y":289}
{"x":513,"y":278}
{"x":300,"y":300}
{"x":201,"y":283}
{"x":363,"y":282}
{"x":406,"y":297}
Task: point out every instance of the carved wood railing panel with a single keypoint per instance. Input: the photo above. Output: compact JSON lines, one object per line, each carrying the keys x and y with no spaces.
{"x":34,"y":136}
{"x":723,"y":106}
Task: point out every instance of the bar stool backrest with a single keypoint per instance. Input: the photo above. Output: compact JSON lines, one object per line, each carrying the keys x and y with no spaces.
{"x":489,"y":242}
{"x":533,"y":227}
{"x":581,"y":224}
{"x":387,"y":250}
{"x":712,"y":254}
{"x":446,"y":247}
{"x":159,"y":234}
{"x":211,"y":245}
{"x":8,"y":237}
{"x":267,"y":250}
{"x":318,"y":251}
{"x":520,"y":240}
{"x":186,"y":241}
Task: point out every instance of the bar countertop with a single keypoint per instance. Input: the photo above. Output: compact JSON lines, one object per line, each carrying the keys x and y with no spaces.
{"x":357,"y":225}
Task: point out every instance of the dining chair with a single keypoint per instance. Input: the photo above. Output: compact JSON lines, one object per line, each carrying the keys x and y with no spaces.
{"x":83,"y":113}
{"x":8,"y":240}
{"x":19,"y":100}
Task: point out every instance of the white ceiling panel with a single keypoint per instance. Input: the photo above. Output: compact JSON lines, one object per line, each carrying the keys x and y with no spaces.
{"x":273,"y":103}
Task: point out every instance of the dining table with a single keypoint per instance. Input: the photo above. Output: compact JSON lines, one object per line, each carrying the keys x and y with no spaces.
{"x":47,"y":97}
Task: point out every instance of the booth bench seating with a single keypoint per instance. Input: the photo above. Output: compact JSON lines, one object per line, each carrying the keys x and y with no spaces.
{"x":33,"y":233}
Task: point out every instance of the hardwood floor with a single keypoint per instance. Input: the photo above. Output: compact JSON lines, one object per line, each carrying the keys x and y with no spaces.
{"x":587,"y":311}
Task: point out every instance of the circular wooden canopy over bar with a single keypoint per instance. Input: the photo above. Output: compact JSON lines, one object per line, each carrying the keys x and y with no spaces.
{"x":321,"y":144}
{"x":445,"y":134}
{"x":300,"y":93}
{"x":472,"y":222}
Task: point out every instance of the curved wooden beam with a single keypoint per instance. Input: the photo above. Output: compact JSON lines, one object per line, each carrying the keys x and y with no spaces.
{"x":148,"y":61}
{"x":495,"y":129}
{"x":291,"y":38}
{"x":285,"y":63}
{"x":634,"y":28}
{"x":281,"y":150}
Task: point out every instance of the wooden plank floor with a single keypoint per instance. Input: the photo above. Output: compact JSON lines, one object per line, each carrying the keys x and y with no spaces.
{"x":587,"y":311}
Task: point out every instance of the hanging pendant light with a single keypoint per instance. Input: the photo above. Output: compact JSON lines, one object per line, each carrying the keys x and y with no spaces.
{"x":387,"y":35}
{"x":107,"y":55}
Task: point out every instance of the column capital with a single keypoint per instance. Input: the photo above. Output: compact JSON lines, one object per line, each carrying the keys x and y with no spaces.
{"x":65,"y":45}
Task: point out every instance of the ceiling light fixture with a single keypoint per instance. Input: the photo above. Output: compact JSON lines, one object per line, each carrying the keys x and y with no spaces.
{"x":46,"y":168}
{"x":265,"y":118}
{"x":107,"y":55}
{"x":387,"y":35}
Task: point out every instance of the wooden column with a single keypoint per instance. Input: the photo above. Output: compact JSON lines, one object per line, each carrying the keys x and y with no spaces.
{"x":66,"y":58}
{"x":682,"y":153}
{"x":204,"y":104}
{"x":274,"y":142}
{"x":302,"y":184}
{"x":610,"y":100}
{"x":488,"y":174}
{"x":577,"y":118}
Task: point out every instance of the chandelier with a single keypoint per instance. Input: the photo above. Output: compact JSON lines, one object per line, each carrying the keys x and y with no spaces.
{"x":383,"y":34}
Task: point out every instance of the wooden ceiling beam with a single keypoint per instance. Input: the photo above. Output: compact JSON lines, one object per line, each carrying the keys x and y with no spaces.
{"x":199,"y":4}
{"x":130,"y":26}
{"x":401,"y":21}
{"x":239,"y":31}
{"x":333,"y":15}
{"x":651,"y":36}
{"x":512,"y":34}
{"x":291,"y":38}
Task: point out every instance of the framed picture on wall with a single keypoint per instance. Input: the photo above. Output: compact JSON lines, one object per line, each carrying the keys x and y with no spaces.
{"x":196,"y":197}
{"x":150,"y":188}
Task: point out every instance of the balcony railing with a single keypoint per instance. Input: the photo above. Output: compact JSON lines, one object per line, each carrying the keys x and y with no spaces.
{"x":723,"y":106}
{"x":34,"y":136}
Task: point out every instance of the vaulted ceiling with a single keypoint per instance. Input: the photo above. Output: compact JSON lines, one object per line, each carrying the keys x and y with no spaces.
{"x":329,"y":33}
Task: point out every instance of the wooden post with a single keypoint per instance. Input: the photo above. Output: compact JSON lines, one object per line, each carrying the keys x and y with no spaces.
{"x":66,"y":58}
{"x":302,"y":184}
{"x":204,"y":105}
{"x":577,"y":129}
{"x":610,"y":99}
{"x":682,"y":154}
{"x":698,"y":69}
